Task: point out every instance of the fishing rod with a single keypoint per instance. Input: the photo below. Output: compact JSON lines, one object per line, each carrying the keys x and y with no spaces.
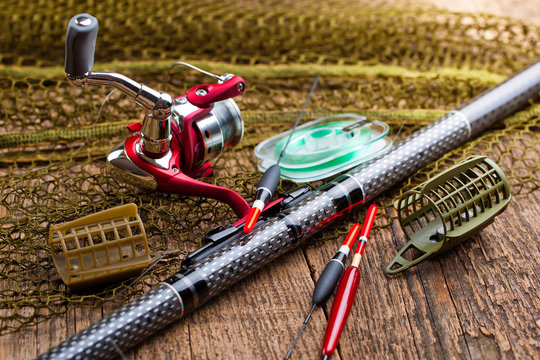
{"x":230,"y":255}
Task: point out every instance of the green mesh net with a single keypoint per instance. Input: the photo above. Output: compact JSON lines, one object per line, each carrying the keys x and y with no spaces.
{"x":401,"y":66}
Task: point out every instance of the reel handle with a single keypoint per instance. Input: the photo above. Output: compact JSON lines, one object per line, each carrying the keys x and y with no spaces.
{"x":81,"y":38}
{"x":205,"y":95}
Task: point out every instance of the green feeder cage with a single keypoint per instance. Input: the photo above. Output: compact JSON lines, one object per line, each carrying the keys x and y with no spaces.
{"x":444,"y":211}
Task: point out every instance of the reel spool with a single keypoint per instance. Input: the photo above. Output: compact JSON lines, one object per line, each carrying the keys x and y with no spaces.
{"x":442,"y":212}
{"x":324,"y":147}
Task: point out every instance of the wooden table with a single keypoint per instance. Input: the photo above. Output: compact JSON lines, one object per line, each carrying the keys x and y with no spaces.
{"x":480,"y":300}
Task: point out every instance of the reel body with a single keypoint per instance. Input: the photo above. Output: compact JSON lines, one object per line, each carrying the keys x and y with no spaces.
{"x":178,"y":136}
{"x":197,"y":135}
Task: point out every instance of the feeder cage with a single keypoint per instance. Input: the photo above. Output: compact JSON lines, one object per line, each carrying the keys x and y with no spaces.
{"x":104,"y":247}
{"x":449,"y":208}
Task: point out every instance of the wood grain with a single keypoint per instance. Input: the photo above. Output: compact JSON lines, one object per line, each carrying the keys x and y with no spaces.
{"x":259,"y":317}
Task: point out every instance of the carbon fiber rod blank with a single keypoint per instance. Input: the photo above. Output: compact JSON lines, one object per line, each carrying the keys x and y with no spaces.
{"x":184,"y":292}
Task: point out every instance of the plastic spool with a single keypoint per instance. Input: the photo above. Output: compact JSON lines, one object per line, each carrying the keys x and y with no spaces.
{"x":104,"y":247}
{"x":444,"y":211}
{"x":324,"y":147}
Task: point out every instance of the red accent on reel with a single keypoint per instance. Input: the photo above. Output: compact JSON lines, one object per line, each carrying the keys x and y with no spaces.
{"x":175,"y":181}
{"x":135,"y":127}
{"x":187,"y":149}
{"x":205,"y":95}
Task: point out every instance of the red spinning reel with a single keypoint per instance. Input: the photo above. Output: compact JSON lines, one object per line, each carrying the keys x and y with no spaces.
{"x":178,"y":135}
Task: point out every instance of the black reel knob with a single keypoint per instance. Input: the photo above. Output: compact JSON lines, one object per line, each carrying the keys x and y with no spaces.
{"x":80,"y":44}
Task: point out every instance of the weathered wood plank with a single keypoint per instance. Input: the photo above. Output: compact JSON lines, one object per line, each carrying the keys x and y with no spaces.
{"x":379,"y":323}
{"x":80,"y":318}
{"x":480,"y":300}
{"x":496,"y":287}
{"x":48,"y":334}
{"x":170,"y":343}
{"x":20,"y":345}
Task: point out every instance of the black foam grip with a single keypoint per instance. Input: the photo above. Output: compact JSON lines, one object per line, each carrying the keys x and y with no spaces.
{"x":327,"y":282}
{"x":81,"y":38}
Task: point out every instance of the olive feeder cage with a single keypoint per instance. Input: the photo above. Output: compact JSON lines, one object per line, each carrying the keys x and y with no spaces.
{"x":444,"y":211}
{"x":100,"y":248}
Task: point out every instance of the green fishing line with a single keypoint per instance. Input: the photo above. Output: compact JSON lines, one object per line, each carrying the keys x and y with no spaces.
{"x":324,"y":147}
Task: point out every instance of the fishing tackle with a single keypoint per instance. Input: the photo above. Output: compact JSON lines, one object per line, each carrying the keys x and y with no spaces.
{"x":270,"y":179}
{"x":346,"y":291}
{"x":444,"y":211}
{"x":103,"y":247}
{"x":241,"y":254}
{"x":178,"y":136}
{"x":324,"y":147}
{"x":328,"y":280}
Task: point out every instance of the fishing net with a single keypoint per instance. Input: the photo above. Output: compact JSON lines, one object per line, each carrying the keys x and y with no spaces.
{"x":399,"y":65}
